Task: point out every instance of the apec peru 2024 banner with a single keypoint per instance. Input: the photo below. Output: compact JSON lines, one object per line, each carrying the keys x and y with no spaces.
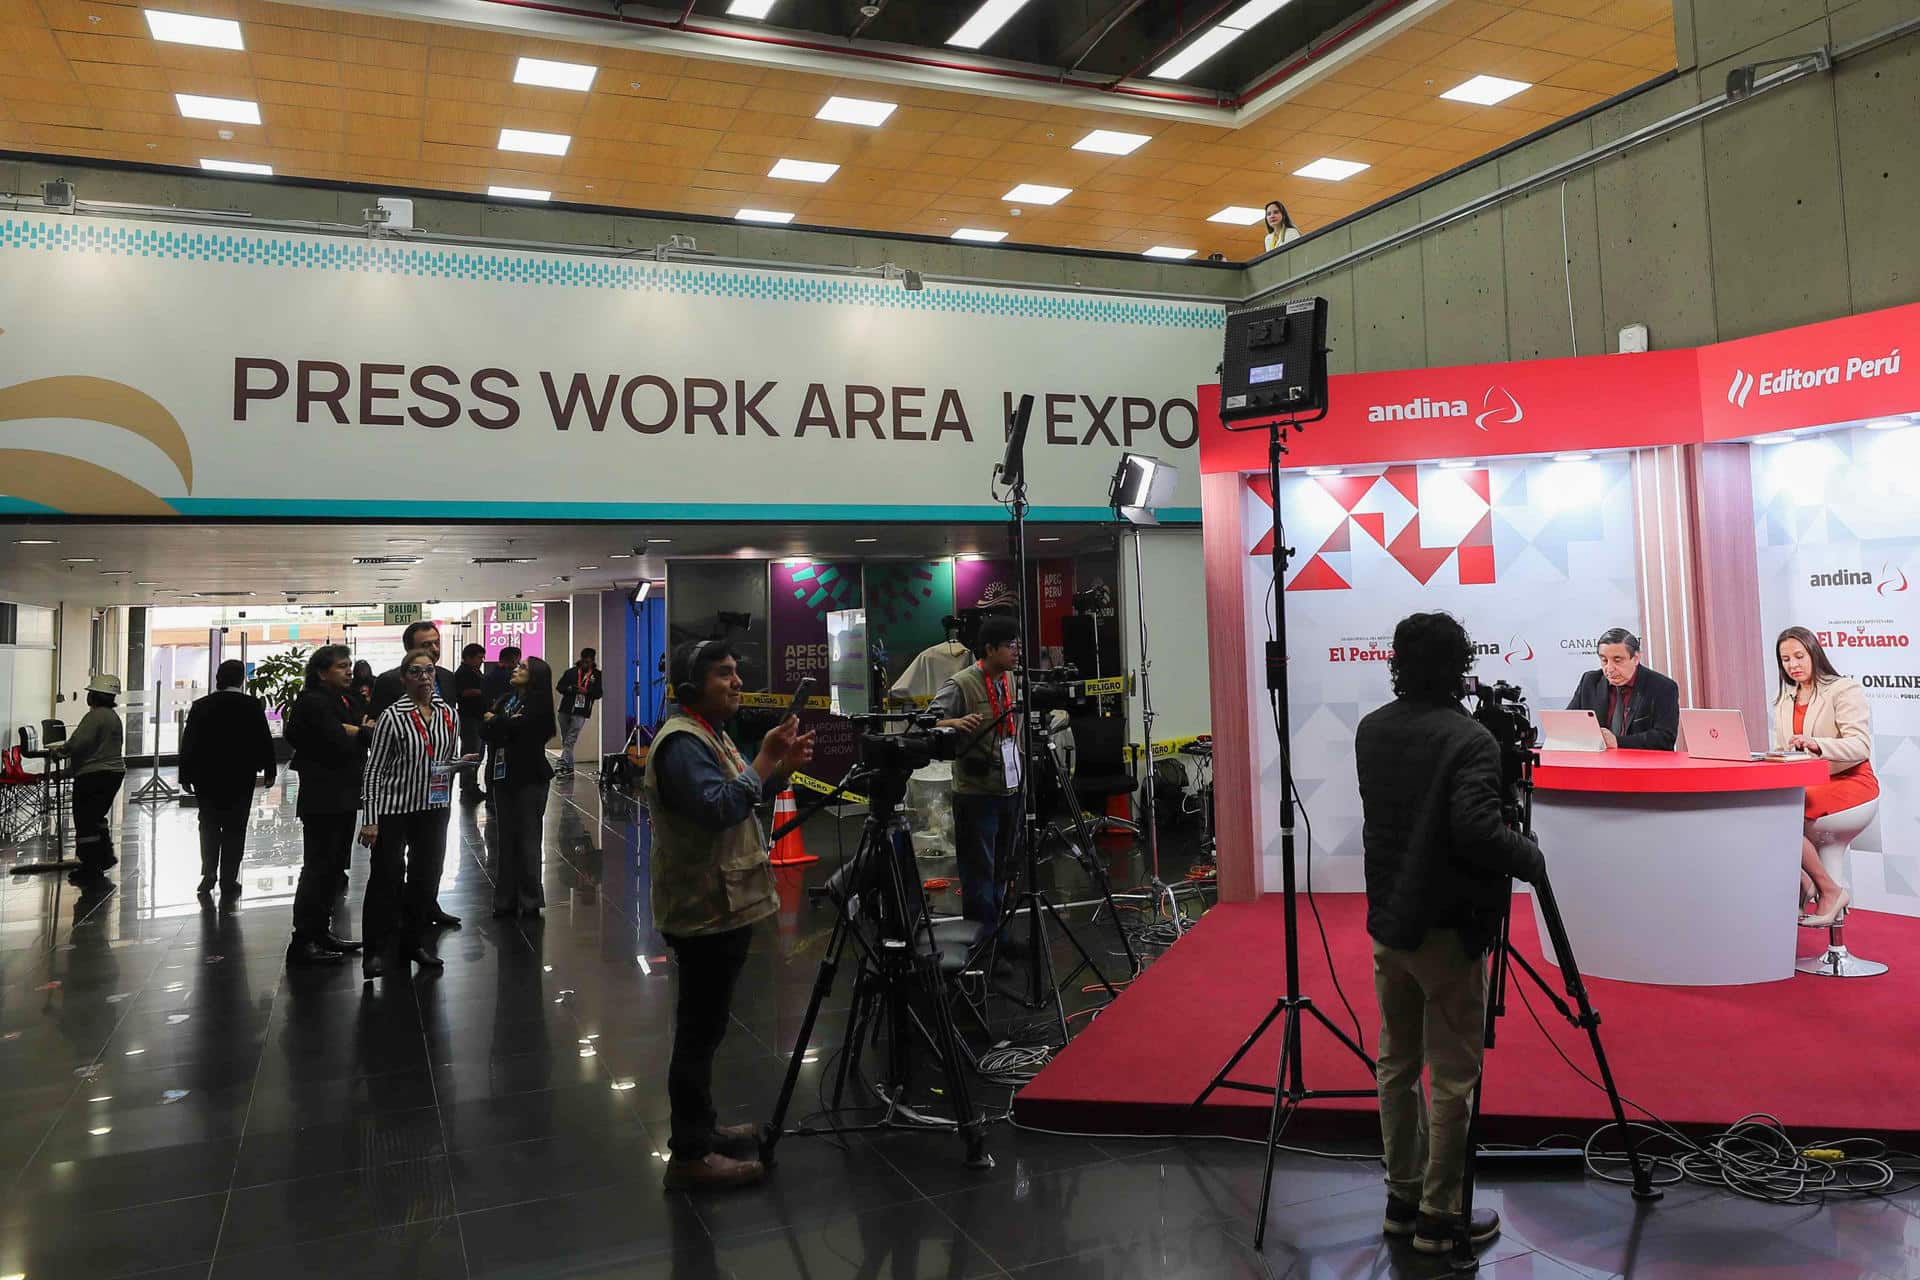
{"x":1536,"y":558}
{"x":1837,"y":555}
{"x":223,"y":370}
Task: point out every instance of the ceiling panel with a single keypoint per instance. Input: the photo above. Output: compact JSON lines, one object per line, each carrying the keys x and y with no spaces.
{"x":382,"y":100}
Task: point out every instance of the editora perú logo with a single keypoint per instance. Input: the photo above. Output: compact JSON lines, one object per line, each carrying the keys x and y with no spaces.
{"x":1857,"y":368}
{"x":1498,"y":408}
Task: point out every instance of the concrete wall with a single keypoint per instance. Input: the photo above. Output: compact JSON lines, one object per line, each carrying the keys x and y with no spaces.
{"x":309,"y":203}
{"x":1795,"y":207}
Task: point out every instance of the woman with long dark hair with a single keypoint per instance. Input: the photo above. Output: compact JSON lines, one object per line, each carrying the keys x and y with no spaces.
{"x":1823,"y":713}
{"x":1280,"y":228}
{"x":329,"y":731}
{"x":518,"y":775}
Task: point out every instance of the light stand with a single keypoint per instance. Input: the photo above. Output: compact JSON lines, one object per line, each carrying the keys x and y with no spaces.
{"x":1041,"y":981}
{"x":156,"y":789}
{"x":1290,"y":1084}
{"x":1140,"y":485}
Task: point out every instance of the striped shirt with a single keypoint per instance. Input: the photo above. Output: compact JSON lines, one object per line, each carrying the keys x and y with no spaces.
{"x":408,"y":741}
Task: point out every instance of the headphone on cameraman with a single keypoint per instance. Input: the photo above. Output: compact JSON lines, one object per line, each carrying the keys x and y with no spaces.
{"x":685,"y":687}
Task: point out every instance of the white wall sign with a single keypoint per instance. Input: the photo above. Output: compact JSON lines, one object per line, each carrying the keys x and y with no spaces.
{"x":207,"y":371}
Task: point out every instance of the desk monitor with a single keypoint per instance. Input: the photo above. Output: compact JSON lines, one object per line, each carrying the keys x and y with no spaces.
{"x":1571,"y":731}
{"x":1715,"y":735}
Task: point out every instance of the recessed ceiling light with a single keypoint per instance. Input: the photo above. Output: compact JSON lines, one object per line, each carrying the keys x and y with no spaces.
{"x":1111,"y":143}
{"x":750,"y":8}
{"x":1252,"y":12}
{"x":971,"y":555}
{"x":1484,"y":91}
{"x":1573,"y":457}
{"x":116,"y":573}
{"x":1328,"y":169}
{"x":1168,"y":251}
{"x":1456,"y":464}
{"x":228,"y":110}
{"x":980,"y":234}
{"x":866,"y":539}
{"x":1326,"y":471}
{"x":237,"y":166}
{"x":803,"y":170}
{"x":1196,"y":52}
{"x":855,"y":111}
{"x":583,"y":568}
{"x":762,"y":215}
{"x":659,"y":539}
{"x":36,"y":542}
{"x":101,"y":1131}
{"x":518,"y":193}
{"x":1053,"y":539}
{"x":407,"y":542}
{"x":554,"y":75}
{"x":1031,"y":193}
{"x":1238,"y":215}
{"x":986,"y":20}
{"x":188,"y":28}
{"x":79,"y":559}
{"x":146,"y":584}
{"x":1888,"y":424}
{"x":621,"y":555}
{"x":540,"y":144}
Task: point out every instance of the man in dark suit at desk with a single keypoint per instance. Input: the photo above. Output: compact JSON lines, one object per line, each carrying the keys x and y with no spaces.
{"x":1637,"y":707}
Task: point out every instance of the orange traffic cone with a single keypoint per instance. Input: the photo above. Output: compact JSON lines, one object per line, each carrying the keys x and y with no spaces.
{"x":789,"y":850}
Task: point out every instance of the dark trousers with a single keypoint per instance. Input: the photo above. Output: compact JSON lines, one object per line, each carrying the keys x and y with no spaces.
{"x":407,"y":860}
{"x":470,"y":745}
{"x":327,"y":840}
{"x":521,"y":813}
{"x":93,"y":795}
{"x":984,"y":829}
{"x":709,"y":965}
{"x":223,"y":838}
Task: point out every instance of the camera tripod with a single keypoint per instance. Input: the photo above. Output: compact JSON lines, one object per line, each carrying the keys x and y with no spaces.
{"x":882,"y":913}
{"x":1518,"y":760}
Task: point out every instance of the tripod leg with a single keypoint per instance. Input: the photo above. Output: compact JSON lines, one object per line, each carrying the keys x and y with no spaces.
{"x":1283,"y":1106}
{"x":822,"y":984}
{"x":1246,"y":1047}
{"x":929,"y":1013}
{"x":1086,"y":956}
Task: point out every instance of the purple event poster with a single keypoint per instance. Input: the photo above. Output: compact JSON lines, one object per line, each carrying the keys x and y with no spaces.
{"x":802,"y":596}
{"x":981,"y":584}
{"x":529,"y":637}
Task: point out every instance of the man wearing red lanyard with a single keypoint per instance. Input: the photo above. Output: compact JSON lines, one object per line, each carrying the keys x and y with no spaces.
{"x":978,"y":701}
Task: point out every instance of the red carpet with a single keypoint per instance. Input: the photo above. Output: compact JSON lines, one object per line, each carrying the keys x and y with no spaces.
{"x":1825,"y":1056}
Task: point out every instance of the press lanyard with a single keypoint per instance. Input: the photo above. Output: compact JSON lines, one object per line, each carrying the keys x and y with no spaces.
{"x":733,"y":752}
{"x":426,"y":735}
{"x":994,"y":697}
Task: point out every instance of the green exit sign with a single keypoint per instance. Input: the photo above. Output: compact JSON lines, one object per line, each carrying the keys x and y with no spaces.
{"x":513,"y":611}
{"x":399,"y":615}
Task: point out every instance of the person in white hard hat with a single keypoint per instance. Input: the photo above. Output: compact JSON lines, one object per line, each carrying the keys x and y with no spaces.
{"x":96,"y":754}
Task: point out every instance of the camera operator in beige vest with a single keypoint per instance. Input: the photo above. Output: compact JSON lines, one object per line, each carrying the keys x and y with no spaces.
{"x":711,"y":885}
{"x":978,"y":701}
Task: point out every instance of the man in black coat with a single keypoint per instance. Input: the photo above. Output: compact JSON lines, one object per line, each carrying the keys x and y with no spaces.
{"x":1637,"y":707}
{"x":389,"y":689}
{"x":1440,"y":861}
{"x":225,"y":745}
{"x":470,"y":684}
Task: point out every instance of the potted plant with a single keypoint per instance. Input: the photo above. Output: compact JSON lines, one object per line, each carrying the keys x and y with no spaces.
{"x":277,"y":681}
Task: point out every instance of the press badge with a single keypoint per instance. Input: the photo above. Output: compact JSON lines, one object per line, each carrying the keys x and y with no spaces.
{"x":1010,"y":762}
{"x":439,"y":785}
{"x":500,"y":767}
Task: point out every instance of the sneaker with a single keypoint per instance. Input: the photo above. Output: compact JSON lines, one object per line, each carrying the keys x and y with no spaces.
{"x":740,"y":1141}
{"x":1402,"y":1216}
{"x":713,"y":1172}
{"x":1435,"y":1234}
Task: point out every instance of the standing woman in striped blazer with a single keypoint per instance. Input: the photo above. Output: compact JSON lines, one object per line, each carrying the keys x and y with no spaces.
{"x":406,"y":799}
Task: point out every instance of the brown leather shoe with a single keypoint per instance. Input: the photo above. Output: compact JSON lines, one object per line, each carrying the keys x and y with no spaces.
{"x":741,"y":1141}
{"x":713,"y":1172}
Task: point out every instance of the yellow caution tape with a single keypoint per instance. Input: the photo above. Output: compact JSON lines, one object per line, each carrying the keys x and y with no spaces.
{"x":777,"y":701}
{"x":1105,"y":685}
{"x":826,"y":788}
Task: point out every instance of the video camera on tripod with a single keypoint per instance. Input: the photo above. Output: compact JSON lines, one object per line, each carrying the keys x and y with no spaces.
{"x":1058,"y":689}
{"x":902,"y":751}
{"x":1502,"y":709}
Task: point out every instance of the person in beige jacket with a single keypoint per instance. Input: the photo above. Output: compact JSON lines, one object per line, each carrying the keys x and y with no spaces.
{"x":1823,"y":713}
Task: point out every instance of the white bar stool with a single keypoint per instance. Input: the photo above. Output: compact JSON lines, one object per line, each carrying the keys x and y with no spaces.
{"x":1833,"y":838}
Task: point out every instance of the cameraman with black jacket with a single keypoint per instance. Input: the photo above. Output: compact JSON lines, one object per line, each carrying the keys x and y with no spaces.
{"x":1440,"y":861}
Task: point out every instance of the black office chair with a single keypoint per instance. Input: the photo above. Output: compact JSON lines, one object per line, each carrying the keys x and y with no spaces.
{"x":1101,"y":770}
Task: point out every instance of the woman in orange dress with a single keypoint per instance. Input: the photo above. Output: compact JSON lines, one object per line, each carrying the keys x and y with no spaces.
{"x":1822,"y":712}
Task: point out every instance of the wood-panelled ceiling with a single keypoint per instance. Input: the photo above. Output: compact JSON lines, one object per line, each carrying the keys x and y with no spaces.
{"x":360,"y":98}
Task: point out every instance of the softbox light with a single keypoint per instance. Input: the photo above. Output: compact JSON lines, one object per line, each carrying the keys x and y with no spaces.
{"x":1141,"y":485}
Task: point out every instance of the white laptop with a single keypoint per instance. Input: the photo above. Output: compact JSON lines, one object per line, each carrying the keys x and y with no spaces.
{"x":1571,"y":731}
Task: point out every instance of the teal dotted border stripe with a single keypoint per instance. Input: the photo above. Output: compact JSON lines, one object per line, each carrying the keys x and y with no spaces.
{"x":438,"y":262}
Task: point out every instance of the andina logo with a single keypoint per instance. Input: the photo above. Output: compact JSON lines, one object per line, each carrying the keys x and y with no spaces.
{"x":1498,"y":408}
{"x":1518,"y":650}
{"x":1892,"y":579}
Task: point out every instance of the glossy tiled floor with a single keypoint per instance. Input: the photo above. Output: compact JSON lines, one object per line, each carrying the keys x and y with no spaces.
{"x":174,"y":1103}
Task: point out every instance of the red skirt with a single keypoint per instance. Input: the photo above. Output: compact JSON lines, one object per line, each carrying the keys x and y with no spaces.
{"x":1843,"y":791}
